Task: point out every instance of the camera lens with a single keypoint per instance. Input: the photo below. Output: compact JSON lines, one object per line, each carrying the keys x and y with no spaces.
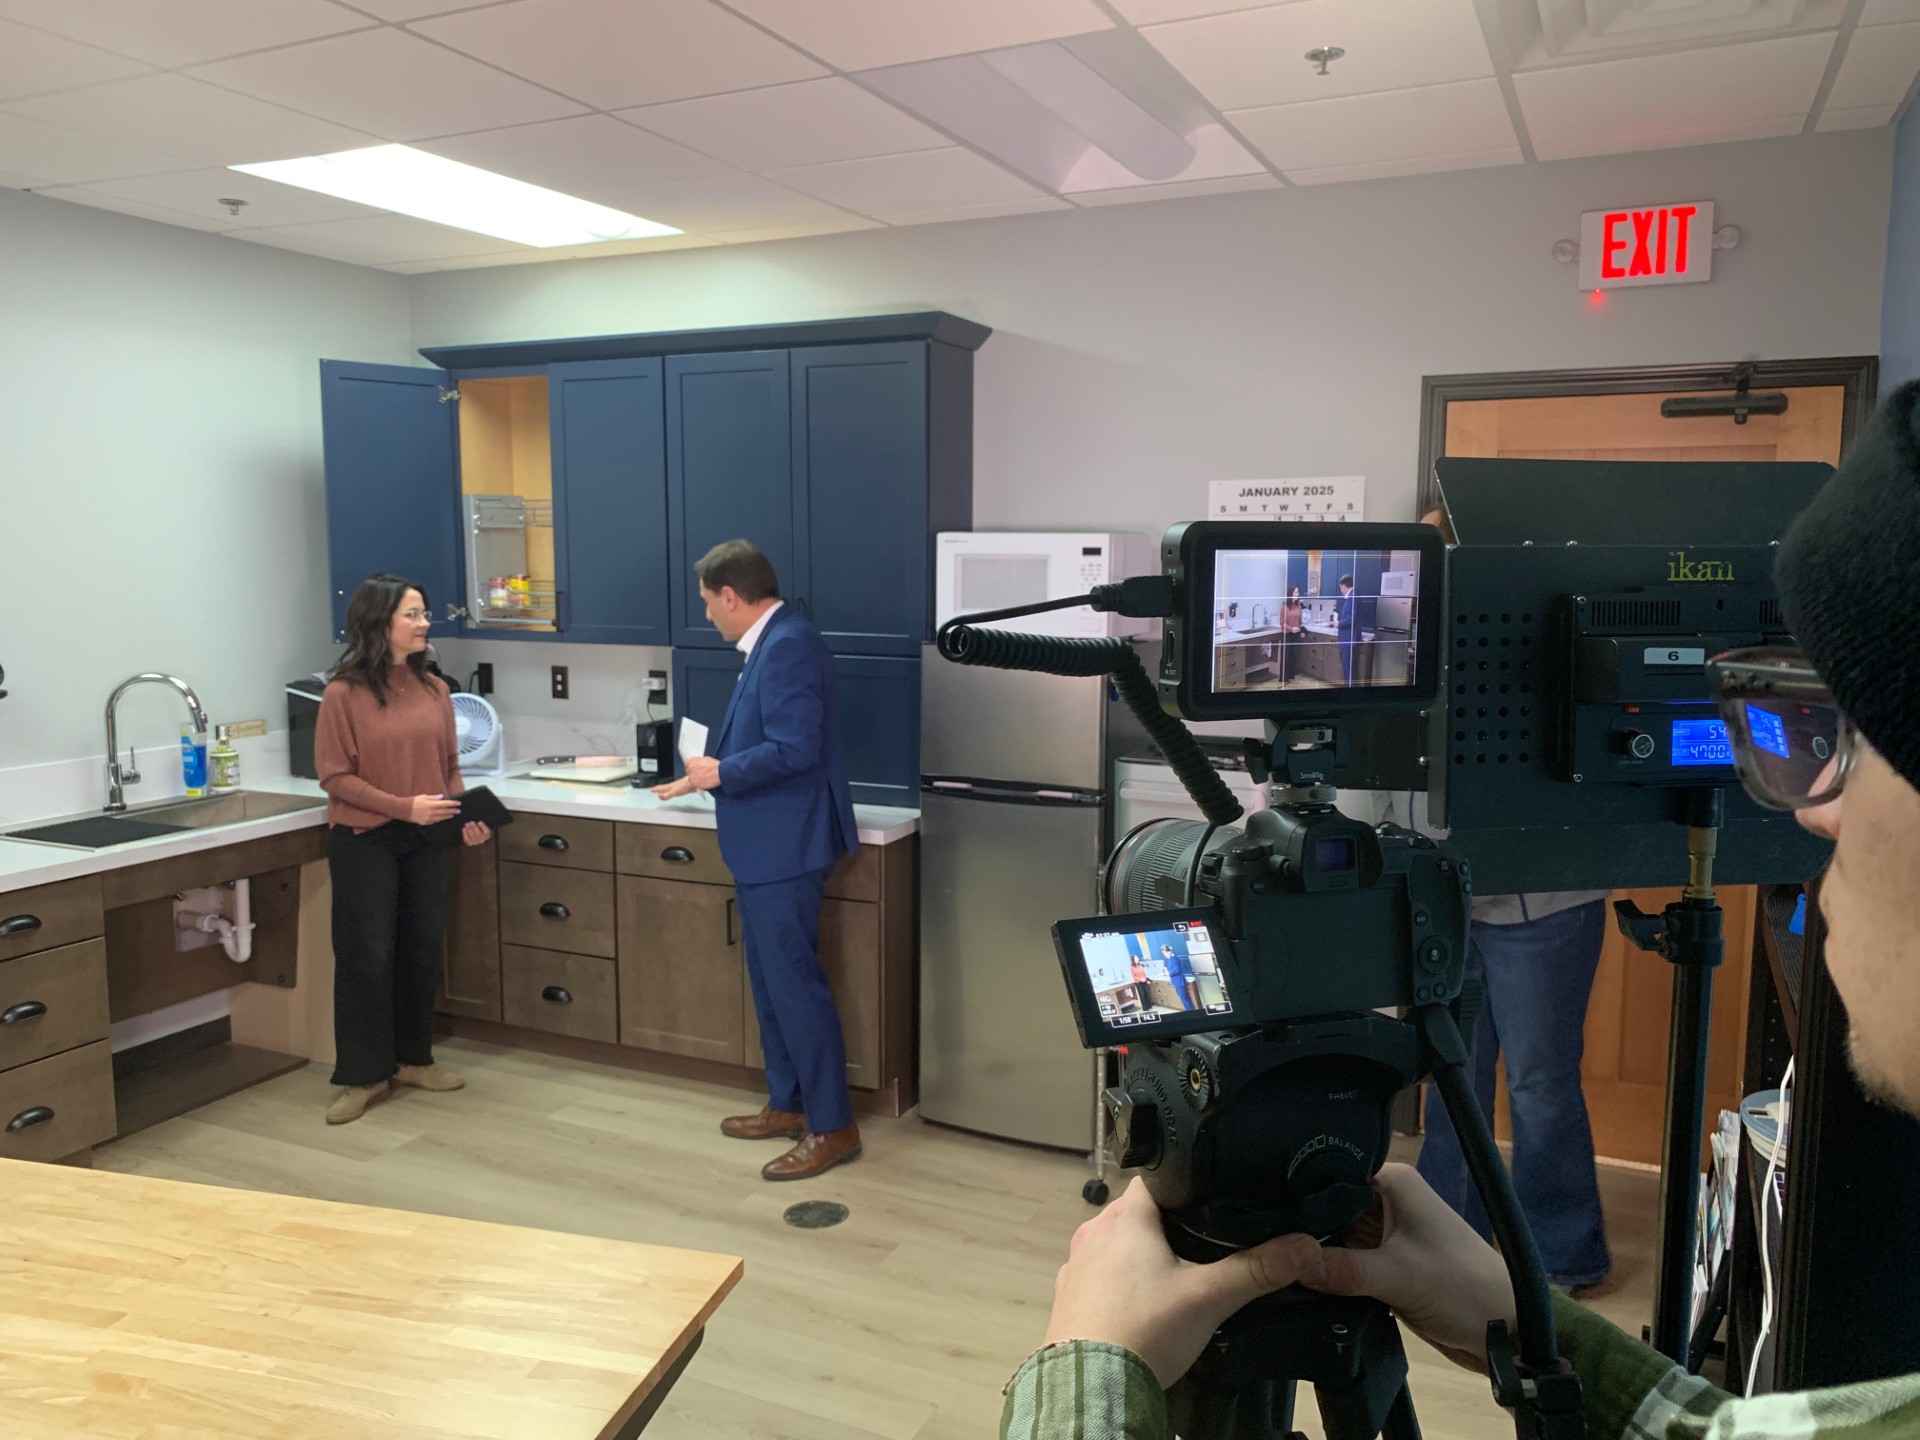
{"x":1149,"y":868}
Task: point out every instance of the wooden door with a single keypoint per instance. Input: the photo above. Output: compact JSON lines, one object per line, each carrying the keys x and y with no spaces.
{"x":1625,"y":1068}
{"x":682,"y":976}
{"x":470,"y":973}
{"x":850,"y":954}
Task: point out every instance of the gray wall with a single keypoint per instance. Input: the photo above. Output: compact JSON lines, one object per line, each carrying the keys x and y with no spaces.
{"x":160,"y":485}
{"x":1140,"y":350}
{"x":1900,"y":309}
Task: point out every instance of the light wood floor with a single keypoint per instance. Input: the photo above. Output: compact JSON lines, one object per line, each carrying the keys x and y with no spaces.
{"x":902,"y":1323}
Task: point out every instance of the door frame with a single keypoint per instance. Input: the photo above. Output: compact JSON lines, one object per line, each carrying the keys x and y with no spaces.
{"x":1858,"y":375}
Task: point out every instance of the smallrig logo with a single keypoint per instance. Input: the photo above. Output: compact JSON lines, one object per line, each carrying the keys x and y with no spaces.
{"x":1682,"y":570}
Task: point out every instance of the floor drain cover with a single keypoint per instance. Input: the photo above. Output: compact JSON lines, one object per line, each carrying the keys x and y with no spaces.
{"x":815,"y":1214}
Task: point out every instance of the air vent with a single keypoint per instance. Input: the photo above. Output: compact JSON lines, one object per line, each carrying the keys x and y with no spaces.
{"x":1635,"y":614}
{"x":1493,"y":674}
{"x":1770,"y":615}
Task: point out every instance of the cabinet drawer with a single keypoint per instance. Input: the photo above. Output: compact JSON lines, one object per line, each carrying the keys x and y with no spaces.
{"x":857,"y":876}
{"x":49,"y":916}
{"x":561,"y":994}
{"x":667,"y":853}
{"x":562,"y":840}
{"x":57,"y":1106}
{"x":52,"y":1001}
{"x":553,"y":909}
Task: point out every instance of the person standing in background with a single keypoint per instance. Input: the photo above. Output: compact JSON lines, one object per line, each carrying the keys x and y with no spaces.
{"x":1293,"y":628}
{"x":1343,"y":614}
{"x":387,"y":757}
{"x":785,"y":816}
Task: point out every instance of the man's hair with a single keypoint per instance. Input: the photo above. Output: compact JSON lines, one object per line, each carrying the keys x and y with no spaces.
{"x":1347,"y":580}
{"x":738,"y":563}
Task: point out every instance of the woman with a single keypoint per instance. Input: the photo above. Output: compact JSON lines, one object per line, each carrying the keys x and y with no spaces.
{"x":1293,"y":627}
{"x":386,"y":755}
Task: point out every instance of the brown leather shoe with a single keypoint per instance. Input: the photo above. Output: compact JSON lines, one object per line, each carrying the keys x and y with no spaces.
{"x":769,"y":1124}
{"x":815,"y":1155}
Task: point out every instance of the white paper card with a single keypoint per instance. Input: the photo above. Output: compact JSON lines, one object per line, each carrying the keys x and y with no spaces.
{"x":693,"y":738}
{"x":1321,"y":499}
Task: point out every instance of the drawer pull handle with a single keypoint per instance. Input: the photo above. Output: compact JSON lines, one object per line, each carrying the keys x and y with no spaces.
{"x":19,"y":925}
{"x":33,"y":1115}
{"x":552,"y":842}
{"x":732,"y":939}
{"x":554,"y":910}
{"x":25,"y":1010}
{"x":558,"y":994}
{"x":677,"y":855}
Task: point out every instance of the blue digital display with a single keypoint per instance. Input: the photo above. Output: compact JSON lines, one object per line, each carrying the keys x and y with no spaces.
{"x":1769,"y":731}
{"x":1701,"y":742}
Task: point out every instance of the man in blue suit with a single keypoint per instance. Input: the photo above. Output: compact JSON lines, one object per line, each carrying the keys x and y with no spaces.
{"x":785,"y":816}
{"x":1344,"y":621}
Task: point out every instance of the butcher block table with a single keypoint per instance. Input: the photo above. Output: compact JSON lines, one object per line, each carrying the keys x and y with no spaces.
{"x":141,"y":1309}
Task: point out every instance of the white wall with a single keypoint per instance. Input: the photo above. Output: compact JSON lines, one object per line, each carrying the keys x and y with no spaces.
{"x":160,"y":470}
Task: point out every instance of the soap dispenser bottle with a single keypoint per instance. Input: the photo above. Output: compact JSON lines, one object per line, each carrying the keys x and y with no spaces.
{"x":225,"y":761}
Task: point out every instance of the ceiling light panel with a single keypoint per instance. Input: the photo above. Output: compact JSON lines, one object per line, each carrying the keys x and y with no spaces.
{"x":33,"y":62}
{"x":813,"y":122}
{"x":184,"y":32}
{"x":1878,"y":69}
{"x":1254,"y":57}
{"x":593,"y":156}
{"x":862,"y":34}
{"x":612,"y":54}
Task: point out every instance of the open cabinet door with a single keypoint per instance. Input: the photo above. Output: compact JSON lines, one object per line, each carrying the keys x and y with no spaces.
{"x":392,"y":486}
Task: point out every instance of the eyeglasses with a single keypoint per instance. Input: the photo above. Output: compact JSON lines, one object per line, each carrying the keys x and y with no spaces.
{"x":1792,"y":745}
{"x":426,"y":615}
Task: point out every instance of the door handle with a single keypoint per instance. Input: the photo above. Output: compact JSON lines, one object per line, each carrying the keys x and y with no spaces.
{"x":33,"y":1115}
{"x":554,"y":910}
{"x":552,"y":842}
{"x":19,"y":925}
{"x":557,"y":994}
{"x":25,"y":1010}
{"x":677,"y":855}
{"x":732,"y":940}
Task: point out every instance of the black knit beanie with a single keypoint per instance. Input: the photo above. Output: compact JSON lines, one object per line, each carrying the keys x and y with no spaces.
{"x":1849,"y":576}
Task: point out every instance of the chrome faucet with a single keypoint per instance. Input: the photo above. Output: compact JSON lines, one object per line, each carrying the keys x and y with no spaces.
{"x":1262,"y":616}
{"x":116,"y":777}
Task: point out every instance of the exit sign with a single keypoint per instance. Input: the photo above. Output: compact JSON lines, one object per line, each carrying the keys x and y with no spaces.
{"x":1646,"y":245}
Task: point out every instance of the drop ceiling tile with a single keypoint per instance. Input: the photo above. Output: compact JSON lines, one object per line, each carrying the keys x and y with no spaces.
{"x":1256,"y":57}
{"x":860,"y":34}
{"x":390,"y":84}
{"x":1867,"y":117}
{"x":1879,"y":67}
{"x":13,"y":180}
{"x":189,"y":117}
{"x":1889,"y":12}
{"x":1693,"y":97}
{"x":84,"y":195}
{"x":1034,"y":206}
{"x":894,"y":184}
{"x":1216,"y":154}
{"x":1426,"y":165}
{"x":199,"y":192}
{"x":592,"y":156}
{"x":1372,"y":129}
{"x":797,"y":232}
{"x":66,"y":157}
{"x":33,"y":62}
{"x":377,"y":240}
{"x":810,"y":123}
{"x":1178,"y":189}
{"x":615,"y":53}
{"x":726,"y":202}
{"x":404,"y":10}
{"x":563,"y":252}
{"x":1152,"y":12}
{"x":185,"y":32}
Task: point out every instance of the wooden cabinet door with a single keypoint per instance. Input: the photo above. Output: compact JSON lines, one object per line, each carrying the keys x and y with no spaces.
{"x":470,"y":974}
{"x":850,"y":954}
{"x":682,"y":971}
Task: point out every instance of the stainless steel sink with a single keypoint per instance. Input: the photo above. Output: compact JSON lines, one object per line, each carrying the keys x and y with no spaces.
{"x":94,"y":830}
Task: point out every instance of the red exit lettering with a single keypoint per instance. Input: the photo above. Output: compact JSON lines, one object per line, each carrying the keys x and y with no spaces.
{"x":1653,"y":242}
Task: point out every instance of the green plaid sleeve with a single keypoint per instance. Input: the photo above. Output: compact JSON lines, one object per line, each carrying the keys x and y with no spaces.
{"x":1630,"y":1391}
{"x":1084,"y":1390}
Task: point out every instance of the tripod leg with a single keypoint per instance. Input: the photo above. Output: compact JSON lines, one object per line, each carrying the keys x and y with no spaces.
{"x":1402,"y":1423}
{"x":1680,"y":1160}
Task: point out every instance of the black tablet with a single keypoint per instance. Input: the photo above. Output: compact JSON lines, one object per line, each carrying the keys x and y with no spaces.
{"x":478,"y":803}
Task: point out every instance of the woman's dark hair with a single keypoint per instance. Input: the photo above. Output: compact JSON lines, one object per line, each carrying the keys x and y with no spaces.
{"x":370,"y":613}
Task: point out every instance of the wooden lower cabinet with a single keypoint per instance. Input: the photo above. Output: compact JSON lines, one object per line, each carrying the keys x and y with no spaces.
{"x":58,"y":1106}
{"x":561,"y":994}
{"x":850,"y":954}
{"x":470,"y":976}
{"x":682,"y":972}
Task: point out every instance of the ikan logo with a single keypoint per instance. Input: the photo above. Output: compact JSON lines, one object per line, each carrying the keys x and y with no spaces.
{"x":1683,"y":571}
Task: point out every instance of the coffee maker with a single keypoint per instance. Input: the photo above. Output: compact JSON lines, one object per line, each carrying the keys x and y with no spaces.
{"x":653,"y":745}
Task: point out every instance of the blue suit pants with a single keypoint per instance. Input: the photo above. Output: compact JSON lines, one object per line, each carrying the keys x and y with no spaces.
{"x":800,"y":1036}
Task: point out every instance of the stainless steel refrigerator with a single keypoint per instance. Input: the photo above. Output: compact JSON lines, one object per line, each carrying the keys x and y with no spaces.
{"x":1015,"y":820}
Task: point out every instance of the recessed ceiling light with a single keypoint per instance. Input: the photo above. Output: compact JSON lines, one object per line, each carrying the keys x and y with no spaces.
{"x":430,"y":187}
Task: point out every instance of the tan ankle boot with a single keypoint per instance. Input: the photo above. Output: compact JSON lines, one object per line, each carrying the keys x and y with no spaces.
{"x":354,"y":1100}
{"x":428,"y":1077}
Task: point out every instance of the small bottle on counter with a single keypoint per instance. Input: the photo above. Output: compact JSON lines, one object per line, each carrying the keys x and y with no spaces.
{"x":225,"y":760}
{"x":193,"y":761}
{"x":498,"y":596}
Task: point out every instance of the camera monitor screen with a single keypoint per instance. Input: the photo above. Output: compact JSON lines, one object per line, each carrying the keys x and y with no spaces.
{"x":1143,"y":977}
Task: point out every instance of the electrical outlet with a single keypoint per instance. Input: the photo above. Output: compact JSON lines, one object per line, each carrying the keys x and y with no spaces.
{"x":559,"y":682}
{"x":483,"y":678}
{"x":656,"y":682}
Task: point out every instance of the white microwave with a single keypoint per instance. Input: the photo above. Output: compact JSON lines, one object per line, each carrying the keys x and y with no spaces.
{"x":995,"y":570}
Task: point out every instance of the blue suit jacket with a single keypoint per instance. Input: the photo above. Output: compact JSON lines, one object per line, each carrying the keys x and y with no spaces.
{"x":1344,"y":612}
{"x":783,"y":807}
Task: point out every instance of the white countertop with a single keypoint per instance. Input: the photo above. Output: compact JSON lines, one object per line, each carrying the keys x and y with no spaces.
{"x":24,"y":863}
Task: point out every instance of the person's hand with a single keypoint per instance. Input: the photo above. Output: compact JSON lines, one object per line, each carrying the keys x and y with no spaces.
{"x":475,"y":832}
{"x":431,"y":809}
{"x":673,"y":789}
{"x":1123,"y":1285}
{"x":1419,"y":1257}
{"x":703,"y":771}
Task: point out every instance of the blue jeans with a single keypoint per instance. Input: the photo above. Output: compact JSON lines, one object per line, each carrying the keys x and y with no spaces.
{"x":1538,"y":976}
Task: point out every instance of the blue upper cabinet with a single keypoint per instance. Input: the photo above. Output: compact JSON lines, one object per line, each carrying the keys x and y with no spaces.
{"x":610,"y":500}
{"x":729,"y":473}
{"x":860,"y":489}
{"x":392,"y":491}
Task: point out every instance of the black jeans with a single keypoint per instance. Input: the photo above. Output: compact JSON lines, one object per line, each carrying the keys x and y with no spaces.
{"x":389,"y":927}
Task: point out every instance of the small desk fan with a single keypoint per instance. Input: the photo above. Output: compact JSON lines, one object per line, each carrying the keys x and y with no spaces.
{"x":476,"y":728}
